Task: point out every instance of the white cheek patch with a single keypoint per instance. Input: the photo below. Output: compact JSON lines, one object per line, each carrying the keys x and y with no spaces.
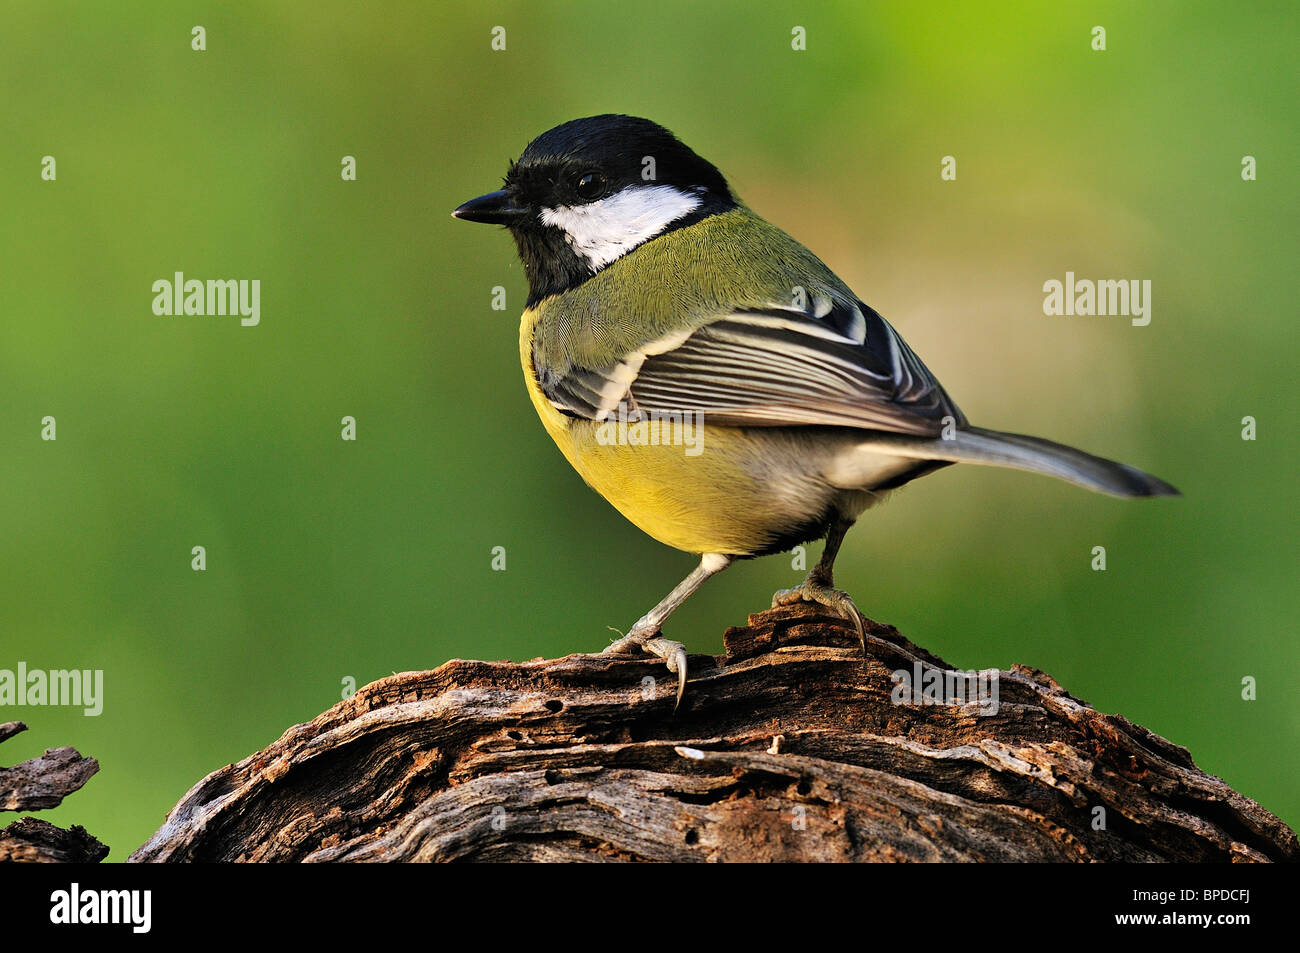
{"x":605,"y":230}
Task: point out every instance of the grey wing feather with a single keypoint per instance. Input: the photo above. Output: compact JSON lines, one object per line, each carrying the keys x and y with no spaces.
{"x":836,"y":364}
{"x":763,"y":369}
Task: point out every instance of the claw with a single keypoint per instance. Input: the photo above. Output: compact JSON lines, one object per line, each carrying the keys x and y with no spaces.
{"x":837,"y":600}
{"x":673,"y":654}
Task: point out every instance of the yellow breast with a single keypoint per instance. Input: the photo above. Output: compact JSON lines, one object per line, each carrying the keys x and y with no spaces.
{"x":708,"y":501}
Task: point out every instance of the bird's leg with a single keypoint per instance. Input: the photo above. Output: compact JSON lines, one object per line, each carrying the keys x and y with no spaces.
{"x":645,"y":637}
{"x":819,"y":585}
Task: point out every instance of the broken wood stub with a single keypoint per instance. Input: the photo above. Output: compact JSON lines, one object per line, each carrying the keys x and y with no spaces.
{"x":38,"y":784}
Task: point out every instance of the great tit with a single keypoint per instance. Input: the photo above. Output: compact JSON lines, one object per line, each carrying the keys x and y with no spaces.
{"x":657,"y":297}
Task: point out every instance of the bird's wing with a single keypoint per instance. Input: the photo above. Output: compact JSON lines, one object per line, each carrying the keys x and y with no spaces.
{"x":835,"y":363}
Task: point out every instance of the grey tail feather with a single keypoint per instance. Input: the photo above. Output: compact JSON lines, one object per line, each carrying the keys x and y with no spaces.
{"x":994,"y":448}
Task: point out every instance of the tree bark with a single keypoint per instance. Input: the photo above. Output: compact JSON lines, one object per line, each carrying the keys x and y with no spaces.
{"x":789,"y":747}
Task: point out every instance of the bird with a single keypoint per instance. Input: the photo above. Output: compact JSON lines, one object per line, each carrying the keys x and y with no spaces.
{"x":657,"y":297}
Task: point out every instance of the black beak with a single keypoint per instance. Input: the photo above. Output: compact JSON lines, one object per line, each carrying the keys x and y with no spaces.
{"x":495,"y":208}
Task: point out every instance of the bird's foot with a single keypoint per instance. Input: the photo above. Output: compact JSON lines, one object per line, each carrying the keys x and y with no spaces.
{"x":815,"y":589}
{"x":651,"y":642}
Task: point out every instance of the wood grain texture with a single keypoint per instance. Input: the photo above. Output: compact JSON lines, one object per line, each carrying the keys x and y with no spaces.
{"x":787,"y":748}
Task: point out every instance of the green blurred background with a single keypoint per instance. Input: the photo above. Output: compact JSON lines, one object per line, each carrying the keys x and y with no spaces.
{"x":329,"y":559}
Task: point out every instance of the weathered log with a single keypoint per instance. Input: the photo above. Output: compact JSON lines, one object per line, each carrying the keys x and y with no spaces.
{"x":791,"y":746}
{"x":37,"y":784}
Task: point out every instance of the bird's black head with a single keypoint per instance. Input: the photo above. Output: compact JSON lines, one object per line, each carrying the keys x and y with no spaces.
{"x":587,"y":192}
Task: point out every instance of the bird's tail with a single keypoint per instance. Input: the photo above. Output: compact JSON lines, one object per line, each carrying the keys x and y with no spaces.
{"x":997,"y":449}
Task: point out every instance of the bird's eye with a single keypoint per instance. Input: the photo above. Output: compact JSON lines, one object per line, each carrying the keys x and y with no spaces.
{"x":589,"y":186}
